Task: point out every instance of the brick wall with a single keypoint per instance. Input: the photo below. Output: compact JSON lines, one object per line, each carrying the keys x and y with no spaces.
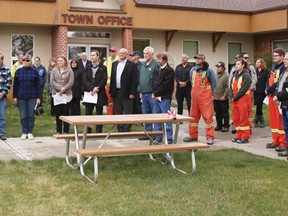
{"x":59,"y":41}
{"x":263,"y":42}
{"x":127,"y":39}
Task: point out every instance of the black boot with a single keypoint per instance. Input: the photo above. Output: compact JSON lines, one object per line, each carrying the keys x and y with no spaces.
{"x":256,"y":120}
{"x":262,"y":123}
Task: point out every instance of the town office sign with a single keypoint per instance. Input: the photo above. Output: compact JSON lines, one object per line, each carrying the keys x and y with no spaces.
{"x":100,"y":20}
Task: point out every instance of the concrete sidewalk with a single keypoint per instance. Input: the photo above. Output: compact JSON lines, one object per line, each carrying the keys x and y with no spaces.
{"x":47,"y":147}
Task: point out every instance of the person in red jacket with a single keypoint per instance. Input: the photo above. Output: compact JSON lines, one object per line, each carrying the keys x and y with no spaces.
{"x":275,"y":118}
{"x":240,"y":94}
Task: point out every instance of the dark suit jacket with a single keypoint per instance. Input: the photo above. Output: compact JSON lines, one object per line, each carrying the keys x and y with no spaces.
{"x":99,"y":80}
{"x":128,"y":79}
{"x":80,"y":63}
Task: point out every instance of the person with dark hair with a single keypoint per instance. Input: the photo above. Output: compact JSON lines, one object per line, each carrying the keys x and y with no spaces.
{"x":240,"y":95}
{"x":61,"y":81}
{"x":203,"y":82}
{"x":220,"y":98}
{"x":259,"y":93}
{"x":76,"y":88}
{"x":281,"y":99}
{"x":276,"y":124}
{"x":26,"y":94}
{"x":163,"y":86}
{"x":137,"y":106}
{"x":42,"y":73}
{"x":252,"y":72}
{"x":183,"y":84}
{"x":52,"y":65}
{"x":94,"y":81}
{"x":5,"y":84}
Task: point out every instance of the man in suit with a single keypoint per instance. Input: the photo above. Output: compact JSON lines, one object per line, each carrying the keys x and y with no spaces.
{"x":84,"y":62}
{"x":123,"y":86}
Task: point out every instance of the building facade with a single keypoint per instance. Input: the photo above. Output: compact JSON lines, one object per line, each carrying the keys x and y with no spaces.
{"x":220,"y":30}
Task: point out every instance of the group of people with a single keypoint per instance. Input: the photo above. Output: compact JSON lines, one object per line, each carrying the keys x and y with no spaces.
{"x":126,"y":86}
{"x":243,"y":87}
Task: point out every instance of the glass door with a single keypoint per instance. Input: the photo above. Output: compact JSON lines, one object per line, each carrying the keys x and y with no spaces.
{"x":75,"y":50}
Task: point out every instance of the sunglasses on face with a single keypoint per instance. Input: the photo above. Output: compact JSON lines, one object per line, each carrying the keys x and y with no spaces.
{"x":246,"y":57}
{"x":26,"y":60}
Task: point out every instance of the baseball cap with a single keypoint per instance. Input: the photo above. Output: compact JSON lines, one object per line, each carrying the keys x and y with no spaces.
{"x":220,"y":64}
{"x":199,"y":55}
{"x":114,"y":49}
{"x":135,"y":53}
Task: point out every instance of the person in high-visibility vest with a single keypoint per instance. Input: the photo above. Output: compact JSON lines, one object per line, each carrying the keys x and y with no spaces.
{"x":108,"y":63}
{"x":241,"y":99}
{"x":203,"y":80}
{"x":281,"y":96}
{"x":276,"y":124}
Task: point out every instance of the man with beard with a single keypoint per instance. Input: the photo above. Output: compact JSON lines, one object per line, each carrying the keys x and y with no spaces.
{"x":203,"y":82}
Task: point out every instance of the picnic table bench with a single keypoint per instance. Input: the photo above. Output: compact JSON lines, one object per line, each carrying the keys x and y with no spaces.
{"x":69,"y":137}
{"x":88,"y":121}
{"x":139,"y":150}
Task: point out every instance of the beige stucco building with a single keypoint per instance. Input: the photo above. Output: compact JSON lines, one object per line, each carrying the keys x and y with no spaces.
{"x":219,"y":29}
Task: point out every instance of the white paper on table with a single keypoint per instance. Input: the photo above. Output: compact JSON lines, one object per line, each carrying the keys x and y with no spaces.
{"x":59,"y":99}
{"x":266,"y":100}
{"x":89,"y":98}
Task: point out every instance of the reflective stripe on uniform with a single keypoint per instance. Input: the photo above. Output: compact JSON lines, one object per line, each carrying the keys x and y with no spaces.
{"x":209,"y":125}
{"x":193,"y":124}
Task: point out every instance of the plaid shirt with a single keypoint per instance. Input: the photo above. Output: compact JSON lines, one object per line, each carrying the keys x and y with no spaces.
{"x":27,"y":83}
{"x":5,"y":80}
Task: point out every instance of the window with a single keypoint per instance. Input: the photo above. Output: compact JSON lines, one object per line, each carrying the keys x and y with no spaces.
{"x":191,"y":48}
{"x":280,"y":44}
{"x":233,"y":50}
{"x":21,"y":44}
{"x":140,"y":44}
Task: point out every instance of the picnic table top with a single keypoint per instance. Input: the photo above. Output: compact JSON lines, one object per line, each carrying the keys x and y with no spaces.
{"x":123,"y":119}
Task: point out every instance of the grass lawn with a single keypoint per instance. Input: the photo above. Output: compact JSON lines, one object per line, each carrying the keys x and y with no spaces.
{"x":228,"y":182}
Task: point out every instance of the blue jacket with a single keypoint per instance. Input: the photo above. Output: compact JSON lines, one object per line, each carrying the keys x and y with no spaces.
{"x":42,"y":73}
{"x":27,"y":84}
{"x":209,"y":74}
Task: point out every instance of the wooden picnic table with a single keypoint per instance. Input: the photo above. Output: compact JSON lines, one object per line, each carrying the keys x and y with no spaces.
{"x":90,"y":120}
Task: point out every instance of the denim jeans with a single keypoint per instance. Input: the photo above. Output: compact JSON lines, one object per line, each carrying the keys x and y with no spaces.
{"x":26,"y":109}
{"x":147,"y":108}
{"x":3,"y":104}
{"x":285,"y":124}
{"x":163,"y":107}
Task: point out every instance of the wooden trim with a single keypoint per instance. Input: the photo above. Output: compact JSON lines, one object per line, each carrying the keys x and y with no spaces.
{"x":169,"y":36}
{"x":216,"y":38}
{"x":96,"y":10}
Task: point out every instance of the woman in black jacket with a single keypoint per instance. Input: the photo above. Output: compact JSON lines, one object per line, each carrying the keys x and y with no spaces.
{"x":76,"y":88}
{"x":259,"y":93}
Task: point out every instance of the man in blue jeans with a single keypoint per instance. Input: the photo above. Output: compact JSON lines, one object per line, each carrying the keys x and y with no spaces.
{"x":5,"y":84}
{"x":163,"y":86}
{"x":145,"y":84}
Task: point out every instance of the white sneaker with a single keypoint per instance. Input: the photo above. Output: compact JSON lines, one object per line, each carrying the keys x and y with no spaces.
{"x":24,"y":136}
{"x":30,"y":136}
